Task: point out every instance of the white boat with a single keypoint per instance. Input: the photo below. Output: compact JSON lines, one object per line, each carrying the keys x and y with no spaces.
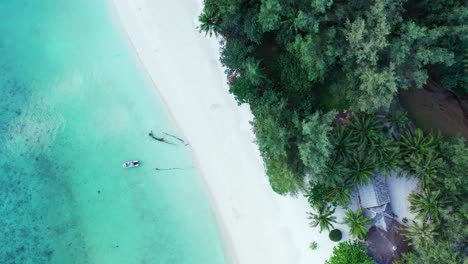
{"x":131,"y":164}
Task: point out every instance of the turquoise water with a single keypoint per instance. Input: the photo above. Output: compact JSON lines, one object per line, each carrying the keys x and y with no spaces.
{"x":74,"y":105}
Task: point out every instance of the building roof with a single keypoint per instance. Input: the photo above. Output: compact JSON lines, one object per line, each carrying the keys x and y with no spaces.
{"x":374,"y":194}
{"x":384,"y":246}
{"x":381,"y":216}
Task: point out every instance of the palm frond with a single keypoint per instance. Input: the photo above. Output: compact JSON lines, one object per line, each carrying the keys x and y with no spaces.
{"x":428,"y":205}
{"x":209,"y":23}
{"x":361,"y":168}
{"x":357,"y":223}
{"x":323,"y":218}
{"x":422,"y":234}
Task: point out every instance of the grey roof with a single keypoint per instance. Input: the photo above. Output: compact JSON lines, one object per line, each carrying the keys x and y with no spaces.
{"x":374,"y":194}
{"x":381,"y":216}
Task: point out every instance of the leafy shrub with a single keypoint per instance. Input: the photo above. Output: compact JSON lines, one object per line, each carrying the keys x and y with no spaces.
{"x":349,"y":252}
{"x":313,"y":245}
{"x":335,"y":235}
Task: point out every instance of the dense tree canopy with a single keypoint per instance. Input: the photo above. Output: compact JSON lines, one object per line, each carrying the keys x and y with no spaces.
{"x":350,"y":252}
{"x":367,"y":50}
{"x":321,"y":78}
{"x":297,"y":57}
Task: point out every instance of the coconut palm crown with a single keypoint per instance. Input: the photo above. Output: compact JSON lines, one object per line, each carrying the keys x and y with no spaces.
{"x":422,"y":234}
{"x":357,"y":223}
{"x":209,"y":22}
{"x":323,"y":218}
{"x":428,"y":205}
{"x":417,"y":143}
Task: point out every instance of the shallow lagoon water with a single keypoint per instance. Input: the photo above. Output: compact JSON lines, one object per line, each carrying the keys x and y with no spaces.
{"x":74,"y":105}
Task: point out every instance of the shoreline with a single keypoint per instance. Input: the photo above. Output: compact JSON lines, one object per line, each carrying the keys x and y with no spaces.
{"x":226,"y":243}
{"x":255,"y":224}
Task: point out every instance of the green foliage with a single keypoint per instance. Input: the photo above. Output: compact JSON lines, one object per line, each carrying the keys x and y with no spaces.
{"x":253,"y":72}
{"x":365,"y":50}
{"x":292,"y":58}
{"x":454,"y":182}
{"x":313,"y":245}
{"x":441,"y":206}
{"x":284,"y":179}
{"x":449,"y":34}
{"x":361,"y":147}
{"x":294,"y":78}
{"x":407,"y":50}
{"x":417,"y":144}
{"x":346,"y":142}
{"x":315,"y":147}
{"x":323,"y":218}
{"x":375,"y":82}
{"x":424,"y":167}
{"x":334,"y":175}
{"x":366,"y":129}
{"x":357,"y":223}
{"x":340,"y":195}
{"x":274,"y":126}
{"x":243,"y":89}
{"x":269,"y":15}
{"x":367,"y":36}
{"x":386,"y":152}
{"x":316,"y":54}
{"x":361,"y":168}
{"x":335,"y":235}
{"x":317,"y":195}
{"x":252,"y":27}
{"x":275,"y":130}
{"x":209,"y":22}
{"x":428,"y":205}
{"x":422,"y":234}
{"x":234,"y":54}
{"x":349,"y":252}
{"x":400,"y":120}
{"x":447,"y":247}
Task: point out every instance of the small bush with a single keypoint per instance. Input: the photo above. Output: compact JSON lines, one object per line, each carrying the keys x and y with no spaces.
{"x":313,"y":245}
{"x":335,"y":235}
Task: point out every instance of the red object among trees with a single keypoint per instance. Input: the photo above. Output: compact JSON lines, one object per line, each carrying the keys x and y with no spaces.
{"x":231,"y":79}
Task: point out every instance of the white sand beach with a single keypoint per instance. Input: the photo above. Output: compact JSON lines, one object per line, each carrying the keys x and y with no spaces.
{"x":400,"y":188}
{"x":257,"y":225}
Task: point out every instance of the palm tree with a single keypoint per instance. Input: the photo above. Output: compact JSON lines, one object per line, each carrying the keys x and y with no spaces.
{"x":399,"y":119}
{"x":357,"y":223}
{"x":209,"y":22}
{"x":417,"y":143}
{"x":361,"y":168}
{"x":345,"y":144}
{"x":340,"y":195}
{"x":333,"y":175}
{"x":421,"y":234}
{"x":253,"y":72}
{"x":424,"y":167}
{"x":386,"y":153}
{"x":365,"y":128}
{"x":428,"y":205}
{"x":322,"y":218}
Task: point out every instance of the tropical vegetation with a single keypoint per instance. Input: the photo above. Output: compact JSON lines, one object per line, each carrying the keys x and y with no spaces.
{"x":335,"y":235}
{"x":350,"y":252}
{"x":357,"y":223}
{"x":322,"y":79}
{"x":422,"y":234}
{"x":323,"y":218}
